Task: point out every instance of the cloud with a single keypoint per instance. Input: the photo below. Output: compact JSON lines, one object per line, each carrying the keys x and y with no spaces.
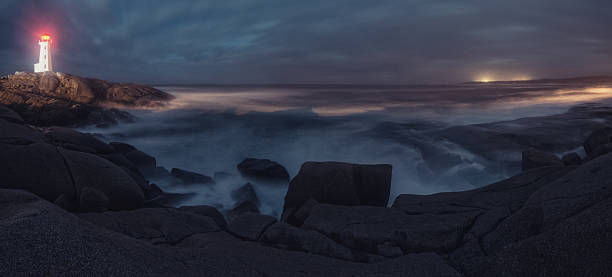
{"x":266,"y":41}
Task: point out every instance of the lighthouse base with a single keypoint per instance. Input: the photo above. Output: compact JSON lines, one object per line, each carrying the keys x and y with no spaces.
{"x":39,"y":67}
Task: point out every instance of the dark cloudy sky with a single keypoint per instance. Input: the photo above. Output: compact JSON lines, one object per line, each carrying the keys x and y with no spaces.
{"x":311,"y":41}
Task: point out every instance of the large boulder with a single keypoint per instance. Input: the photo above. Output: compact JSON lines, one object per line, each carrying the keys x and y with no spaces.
{"x":338,"y":183}
{"x":35,"y":167}
{"x":533,"y":159}
{"x":89,"y":170}
{"x":264,"y":171}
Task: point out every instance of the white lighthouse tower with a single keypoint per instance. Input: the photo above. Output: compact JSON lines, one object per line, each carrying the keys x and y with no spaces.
{"x":44,"y":60}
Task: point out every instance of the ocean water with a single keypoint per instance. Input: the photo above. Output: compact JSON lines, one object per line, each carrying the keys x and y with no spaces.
{"x":210,"y":129}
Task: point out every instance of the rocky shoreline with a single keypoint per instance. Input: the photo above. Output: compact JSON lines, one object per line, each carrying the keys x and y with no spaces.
{"x":71,"y":204}
{"x":48,"y":99}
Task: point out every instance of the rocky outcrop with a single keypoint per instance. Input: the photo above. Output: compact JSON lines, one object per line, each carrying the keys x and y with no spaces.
{"x":62,"y":99}
{"x":338,"y":183}
{"x":549,"y":220}
{"x":263,"y":171}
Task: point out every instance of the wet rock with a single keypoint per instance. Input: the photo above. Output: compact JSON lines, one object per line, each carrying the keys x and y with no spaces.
{"x":571,"y":159}
{"x":245,"y":193}
{"x":141,"y":159}
{"x":250,"y":226}
{"x":264,"y":171}
{"x":93,"y":200}
{"x":189,"y":178}
{"x":338,"y":183}
{"x":533,"y":159}
{"x":122,"y":148}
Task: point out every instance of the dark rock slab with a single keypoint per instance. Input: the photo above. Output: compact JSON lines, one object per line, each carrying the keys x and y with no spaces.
{"x":285,"y":236}
{"x":208,"y":211}
{"x":338,"y":183}
{"x":189,"y":178}
{"x":250,"y":226}
{"x":366,"y":228}
{"x":141,"y":160}
{"x":158,"y":226}
{"x":533,"y":159}
{"x":263,"y":170}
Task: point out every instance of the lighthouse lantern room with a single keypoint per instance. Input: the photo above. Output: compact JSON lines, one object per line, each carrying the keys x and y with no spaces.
{"x":44,"y":60}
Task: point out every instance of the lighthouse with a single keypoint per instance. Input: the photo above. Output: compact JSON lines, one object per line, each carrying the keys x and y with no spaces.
{"x":44,"y":60}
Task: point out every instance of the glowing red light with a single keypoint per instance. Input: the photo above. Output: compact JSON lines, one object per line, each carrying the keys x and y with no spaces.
{"x":45,"y":37}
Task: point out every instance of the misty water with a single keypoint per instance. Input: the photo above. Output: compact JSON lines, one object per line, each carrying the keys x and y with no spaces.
{"x":211,"y":129}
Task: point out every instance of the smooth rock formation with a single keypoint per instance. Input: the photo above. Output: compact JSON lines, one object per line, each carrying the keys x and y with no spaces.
{"x":338,"y":183}
{"x":264,"y":171}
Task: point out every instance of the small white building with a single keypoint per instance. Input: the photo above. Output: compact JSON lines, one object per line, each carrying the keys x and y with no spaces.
{"x":44,"y":60}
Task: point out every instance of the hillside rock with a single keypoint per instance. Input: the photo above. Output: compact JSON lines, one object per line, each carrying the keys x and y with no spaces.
{"x":46,"y":99}
{"x":338,"y":183}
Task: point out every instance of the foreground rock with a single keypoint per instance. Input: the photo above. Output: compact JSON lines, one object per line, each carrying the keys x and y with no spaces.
{"x":60,"y":243}
{"x":264,"y":171}
{"x":338,"y":183}
{"x":62,"y":99}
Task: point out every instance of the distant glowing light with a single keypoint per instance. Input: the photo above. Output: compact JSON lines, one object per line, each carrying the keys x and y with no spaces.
{"x":45,"y":37}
